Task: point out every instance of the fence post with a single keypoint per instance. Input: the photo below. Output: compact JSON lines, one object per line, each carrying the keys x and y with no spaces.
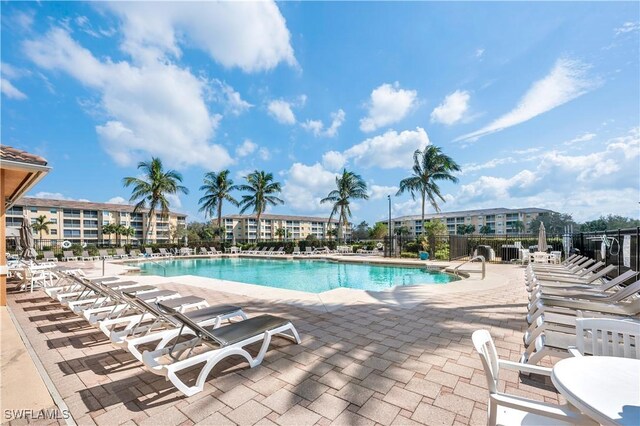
{"x":619,"y":251}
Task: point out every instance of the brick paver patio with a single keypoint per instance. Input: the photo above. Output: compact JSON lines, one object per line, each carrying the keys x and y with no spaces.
{"x":361,"y":364}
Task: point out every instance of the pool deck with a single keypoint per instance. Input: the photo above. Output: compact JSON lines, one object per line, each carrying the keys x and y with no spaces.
{"x":401,"y":357}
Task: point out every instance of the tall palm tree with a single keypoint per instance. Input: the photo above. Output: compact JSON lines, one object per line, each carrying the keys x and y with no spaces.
{"x":429,"y":167}
{"x":349,"y":186}
{"x":41,"y":224}
{"x":150,"y":192}
{"x":128,"y":232}
{"x":260,"y":187}
{"x":281,"y":233}
{"x":217,"y":189}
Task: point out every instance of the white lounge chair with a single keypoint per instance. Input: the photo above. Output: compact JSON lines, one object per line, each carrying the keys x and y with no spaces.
{"x":164,"y":252}
{"x":121,"y":254}
{"x":104,"y":254}
{"x":504,"y":409}
{"x":296,"y":251}
{"x":68,"y":256}
{"x":87,"y":257}
{"x":48,"y":256}
{"x":221,"y":343}
{"x":214,"y":252}
{"x":149,"y":252}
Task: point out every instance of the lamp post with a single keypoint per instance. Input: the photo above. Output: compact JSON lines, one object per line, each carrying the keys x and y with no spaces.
{"x":390,"y":241}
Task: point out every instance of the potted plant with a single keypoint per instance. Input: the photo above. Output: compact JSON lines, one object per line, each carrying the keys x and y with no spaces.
{"x":424,"y":254}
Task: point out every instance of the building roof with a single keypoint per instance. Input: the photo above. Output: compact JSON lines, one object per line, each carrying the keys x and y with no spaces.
{"x":280,"y":217}
{"x":477,"y":212}
{"x":8,"y":153}
{"x":82,"y":205}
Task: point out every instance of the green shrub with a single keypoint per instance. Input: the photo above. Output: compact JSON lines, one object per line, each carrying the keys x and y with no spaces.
{"x":412,"y":247}
{"x":409,"y":255}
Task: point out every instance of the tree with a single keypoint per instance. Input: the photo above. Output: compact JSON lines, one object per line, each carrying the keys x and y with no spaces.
{"x":41,"y":224}
{"x":217,"y":189}
{"x":485,"y":229}
{"x":349,"y":186}
{"x":518,"y":226}
{"x":108,"y":229}
{"x":554,"y":223}
{"x":151,"y":190}
{"x":177,"y":232}
{"x":261,"y":188}
{"x":429,"y":167}
{"x":465,"y":229}
{"x":362,"y":231}
{"x":333,"y":232}
{"x":402,"y":231}
{"x":379,"y":231}
{"x":280,"y":233}
{"x":604,"y":223}
{"x":432,"y":231}
{"x":128,"y":232}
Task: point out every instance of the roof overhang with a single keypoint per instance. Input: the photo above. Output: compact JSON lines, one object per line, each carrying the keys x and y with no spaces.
{"x":20,"y":177}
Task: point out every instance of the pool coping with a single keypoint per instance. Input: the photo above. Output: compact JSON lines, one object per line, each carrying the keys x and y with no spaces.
{"x":399,"y":296}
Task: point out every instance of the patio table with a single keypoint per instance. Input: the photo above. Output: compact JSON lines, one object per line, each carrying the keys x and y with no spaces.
{"x":605,"y":388}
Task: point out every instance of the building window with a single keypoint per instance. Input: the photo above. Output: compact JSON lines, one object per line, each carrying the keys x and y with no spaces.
{"x":90,"y":223}
{"x":14,"y":221}
{"x":72,"y":233}
{"x":71,"y":213}
{"x":53,"y":211}
{"x":53,"y":232}
{"x":53,"y":220}
{"x":71,"y":223}
{"x":15,"y":210}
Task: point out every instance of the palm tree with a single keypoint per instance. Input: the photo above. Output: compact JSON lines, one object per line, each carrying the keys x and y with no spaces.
{"x":280,"y":233}
{"x":349,"y":186}
{"x":217,"y":189}
{"x":108,"y":229}
{"x":429,"y":167}
{"x":261,"y":187}
{"x":128,"y":232}
{"x":41,"y":224}
{"x":151,"y":190}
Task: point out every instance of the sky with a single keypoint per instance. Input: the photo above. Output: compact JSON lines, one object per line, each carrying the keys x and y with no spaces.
{"x":538,"y":102}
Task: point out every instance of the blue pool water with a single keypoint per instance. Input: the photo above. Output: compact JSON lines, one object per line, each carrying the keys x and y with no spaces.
{"x":305,"y":275}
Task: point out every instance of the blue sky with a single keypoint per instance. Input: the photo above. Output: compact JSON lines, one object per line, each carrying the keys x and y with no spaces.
{"x":538,"y":102}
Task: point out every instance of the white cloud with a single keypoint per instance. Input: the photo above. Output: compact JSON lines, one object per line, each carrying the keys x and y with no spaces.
{"x":388,"y":104}
{"x":582,"y":138}
{"x":317,"y":127}
{"x":628,"y":144}
{"x":627,"y":27}
{"x":157,"y":109}
{"x":174,"y":201}
{"x":227,"y":96}
{"x":10,"y":91}
{"x":526,"y":151}
{"x":491,"y":164}
{"x":264,"y":154}
{"x":497,"y":188}
{"x":252,"y":36}
{"x":377,"y":192}
{"x":452,"y":109}
{"x":52,"y":195}
{"x":479,"y":52}
{"x":389,"y":150}
{"x":281,"y":111}
{"x":246,"y":148}
{"x":333,"y":160}
{"x":567,"y":80}
{"x":117,"y":200}
{"x":305,"y":186}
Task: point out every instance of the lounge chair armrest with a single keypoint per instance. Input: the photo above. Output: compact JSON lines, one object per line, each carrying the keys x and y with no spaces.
{"x":535,"y":369}
{"x":558,"y":412}
{"x":574,"y":351}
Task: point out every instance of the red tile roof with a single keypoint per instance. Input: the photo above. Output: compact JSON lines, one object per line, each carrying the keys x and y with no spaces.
{"x":8,"y":153}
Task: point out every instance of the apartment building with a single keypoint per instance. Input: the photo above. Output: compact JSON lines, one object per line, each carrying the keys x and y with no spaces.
{"x":82,"y":221}
{"x":245,"y":227}
{"x":499,"y":220}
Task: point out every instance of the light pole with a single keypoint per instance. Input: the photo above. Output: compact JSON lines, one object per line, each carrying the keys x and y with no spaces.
{"x":390,"y":241}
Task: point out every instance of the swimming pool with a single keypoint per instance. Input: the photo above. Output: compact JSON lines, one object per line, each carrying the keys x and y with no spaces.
{"x":312,"y":276}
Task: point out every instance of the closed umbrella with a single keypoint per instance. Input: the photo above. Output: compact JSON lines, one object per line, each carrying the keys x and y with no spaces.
{"x":542,"y":238}
{"x":26,"y":241}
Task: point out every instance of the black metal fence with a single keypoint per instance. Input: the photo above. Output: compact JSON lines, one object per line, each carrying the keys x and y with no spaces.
{"x":619,"y":247}
{"x":497,"y":248}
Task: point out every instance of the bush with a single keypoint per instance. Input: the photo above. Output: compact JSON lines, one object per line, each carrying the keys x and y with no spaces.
{"x":412,"y":247}
{"x":92,"y":250}
{"x":409,"y":255}
{"x":442,"y":253}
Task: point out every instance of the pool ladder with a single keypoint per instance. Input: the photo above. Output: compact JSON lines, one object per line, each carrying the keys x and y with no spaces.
{"x":481,"y":258}
{"x":164,"y":268}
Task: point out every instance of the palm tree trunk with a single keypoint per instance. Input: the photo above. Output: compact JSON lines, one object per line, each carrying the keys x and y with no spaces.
{"x":257,"y":227}
{"x":220,"y":233}
{"x":423,"y":199}
{"x":146,"y":231}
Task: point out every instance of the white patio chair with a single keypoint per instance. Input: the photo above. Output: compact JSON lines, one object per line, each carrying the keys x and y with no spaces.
{"x":607,"y":337}
{"x":507,"y":409}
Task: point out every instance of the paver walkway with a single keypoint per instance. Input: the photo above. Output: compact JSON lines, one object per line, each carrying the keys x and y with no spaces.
{"x":361,"y":364}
